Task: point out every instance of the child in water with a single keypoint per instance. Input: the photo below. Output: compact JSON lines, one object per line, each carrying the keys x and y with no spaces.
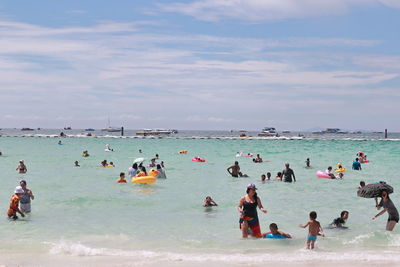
{"x":314,"y":229}
{"x":14,"y":203}
{"x":77,"y":163}
{"x":275,"y":233}
{"x":209,"y":202}
{"x":308,"y":163}
{"x":121,"y":178}
{"x":268,"y":176}
{"x":278,"y":176}
{"x":263,"y":177}
{"x":362,"y":184}
{"x":339,"y":222}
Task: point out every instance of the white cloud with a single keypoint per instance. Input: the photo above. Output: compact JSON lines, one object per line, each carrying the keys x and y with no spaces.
{"x":267,"y":10}
{"x":88,"y":74}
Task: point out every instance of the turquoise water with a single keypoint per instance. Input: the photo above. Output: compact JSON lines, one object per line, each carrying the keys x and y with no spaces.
{"x":82,"y":212}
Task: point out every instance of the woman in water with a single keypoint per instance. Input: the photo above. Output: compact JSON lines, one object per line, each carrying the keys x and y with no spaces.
{"x":21,"y":168}
{"x":388,"y":206}
{"x":248,"y":212}
{"x":25,"y":198}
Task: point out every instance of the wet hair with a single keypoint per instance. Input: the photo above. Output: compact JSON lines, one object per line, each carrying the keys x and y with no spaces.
{"x":273,"y":225}
{"x":134,"y":165}
{"x":255,"y":194}
{"x":268,"y":173}
{"x":144,"y":170}
{"x":330,"y":168}
{"x":362,"y":183}
{"x":236,"y":163}
{"x":343,"y":213}
{"x":122,"y":173}
{"x":387,"y":193}
{"x":279,"y":174}
{"x":313,"y":215}
{"x":356,"y":159}
{"x":158,"y":166}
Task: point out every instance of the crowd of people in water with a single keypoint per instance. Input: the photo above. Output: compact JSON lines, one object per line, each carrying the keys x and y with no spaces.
{"x":20,"y":202}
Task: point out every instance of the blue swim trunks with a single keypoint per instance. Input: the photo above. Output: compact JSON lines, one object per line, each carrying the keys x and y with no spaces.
{"x":312,"y":238}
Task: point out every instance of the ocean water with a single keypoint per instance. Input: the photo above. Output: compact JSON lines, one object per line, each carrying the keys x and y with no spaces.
{"x":81,"y":216}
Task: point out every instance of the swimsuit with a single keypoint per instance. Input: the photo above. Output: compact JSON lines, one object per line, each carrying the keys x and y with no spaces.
{"x":312,"y":237}
{"x":251,"y":217}
{"x":25,"y":202}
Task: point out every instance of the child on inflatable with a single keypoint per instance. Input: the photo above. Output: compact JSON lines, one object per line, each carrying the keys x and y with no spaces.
{"x":275,"y":233}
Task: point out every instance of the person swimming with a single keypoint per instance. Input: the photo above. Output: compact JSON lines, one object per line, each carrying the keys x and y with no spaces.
{"x":340,"y":221}
{"x":209,"y":202}
{"x":275,"y":233}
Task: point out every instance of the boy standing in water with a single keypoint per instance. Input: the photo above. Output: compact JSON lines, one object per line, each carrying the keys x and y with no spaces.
{"x":314,"y":229}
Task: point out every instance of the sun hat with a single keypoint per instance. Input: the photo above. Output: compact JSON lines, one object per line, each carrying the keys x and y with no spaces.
{"x":251,"y":186}
{"x":19,"y":190}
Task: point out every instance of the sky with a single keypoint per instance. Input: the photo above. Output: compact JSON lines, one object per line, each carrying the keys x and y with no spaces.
{"x":200,"y":64}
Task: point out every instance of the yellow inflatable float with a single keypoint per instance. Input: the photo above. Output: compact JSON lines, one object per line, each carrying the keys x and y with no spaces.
{"x":340,"y":168}
{"x":151,"y":178}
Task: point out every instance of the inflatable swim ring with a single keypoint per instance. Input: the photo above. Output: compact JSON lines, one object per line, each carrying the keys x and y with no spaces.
{"x":198,"y":159}
{"x":340,"y":170}
{"x":277,"y":236}
{"x":183,"y":152}
{"x":364,"y":161}
{"x":85,"y":155}
{"x":110,"y":166}
{"x":321,"y":174}
{"x":144,"y":180}
{"x":248,"y":155}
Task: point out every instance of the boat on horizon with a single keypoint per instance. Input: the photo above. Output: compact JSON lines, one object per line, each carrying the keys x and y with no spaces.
{"x":111,"y":129}
{"x":268,"y":131}
{"x":27,"y":129}
{"x":67,"y":128}
{"x":89,"y":130}
{"x":331,"y":131}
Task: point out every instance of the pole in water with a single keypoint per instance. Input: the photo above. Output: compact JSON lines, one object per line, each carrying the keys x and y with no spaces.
{"x":385,"y":133}
{"x":122,"y":131}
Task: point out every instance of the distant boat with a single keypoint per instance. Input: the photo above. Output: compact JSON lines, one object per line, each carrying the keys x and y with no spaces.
{"x":67,"y":128}
{"x":111,"y":129}
{"x":286,"y":132}
{"x":268,"y":131}
{"x":89,"y":130}
{"x":27,"y":129}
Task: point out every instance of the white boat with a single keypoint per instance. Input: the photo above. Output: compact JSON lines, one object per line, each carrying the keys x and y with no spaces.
{"x":268,"y":131}
{"x":111,"y":129}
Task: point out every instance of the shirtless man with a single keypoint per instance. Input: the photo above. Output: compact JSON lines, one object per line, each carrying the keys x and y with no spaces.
{"x":234,"y":170}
